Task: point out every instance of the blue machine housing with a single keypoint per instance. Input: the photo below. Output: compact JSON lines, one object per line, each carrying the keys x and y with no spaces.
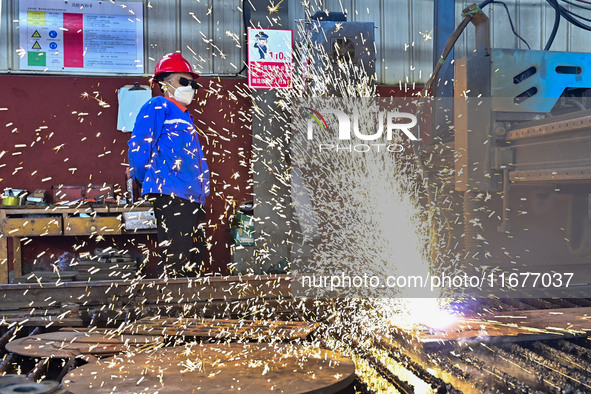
{"x":533,"y":81}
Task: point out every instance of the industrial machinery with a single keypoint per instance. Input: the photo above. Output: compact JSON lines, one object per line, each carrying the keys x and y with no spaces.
{"x":520,"y":150}
{"x":337,"y":52}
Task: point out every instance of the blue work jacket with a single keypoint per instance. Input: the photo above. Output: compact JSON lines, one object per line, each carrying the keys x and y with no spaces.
{"x":165,"y":155}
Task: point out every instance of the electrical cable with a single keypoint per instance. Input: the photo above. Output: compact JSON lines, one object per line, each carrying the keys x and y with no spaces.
{"x":557,"y":17}
{"x":451,"y":41}
{"x":511,"y":22}
{"x":583,"y":7}
{"x":570,"y":17}
{"x":578,"y":16}
{"x":484,"y":3}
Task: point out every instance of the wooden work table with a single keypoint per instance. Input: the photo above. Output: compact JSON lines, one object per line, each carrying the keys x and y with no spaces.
{"x":37,"y":221}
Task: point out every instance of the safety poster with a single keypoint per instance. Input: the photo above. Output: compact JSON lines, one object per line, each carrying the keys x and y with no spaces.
{"x":269,"y":58}
{"x":88,"y":36}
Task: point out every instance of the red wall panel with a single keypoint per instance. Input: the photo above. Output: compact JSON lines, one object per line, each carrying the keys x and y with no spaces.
{"x":62,"y":130}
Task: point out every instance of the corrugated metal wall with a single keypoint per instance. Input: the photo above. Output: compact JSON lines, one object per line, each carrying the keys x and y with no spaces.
{"x":403,"y":36}
{"x":405,"y":30}
{"x":5,"y":34}
{"x":533,"y":20}
{"x":210,"y":32}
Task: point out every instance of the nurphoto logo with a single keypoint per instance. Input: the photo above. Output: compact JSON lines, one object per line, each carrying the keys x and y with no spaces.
{"x":389,"y":123}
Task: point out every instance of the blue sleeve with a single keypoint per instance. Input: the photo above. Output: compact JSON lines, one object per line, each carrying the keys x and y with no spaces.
{"x":146,"y":131}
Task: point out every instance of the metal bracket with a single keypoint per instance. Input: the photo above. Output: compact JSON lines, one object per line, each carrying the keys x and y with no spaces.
{"x":505,"y":225}
{"x":503,"y":158}
{"x":482,"y":25}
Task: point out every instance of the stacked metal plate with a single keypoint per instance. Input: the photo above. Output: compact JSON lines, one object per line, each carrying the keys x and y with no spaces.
{"x":110,"y":267}
{"x":46,"y":277}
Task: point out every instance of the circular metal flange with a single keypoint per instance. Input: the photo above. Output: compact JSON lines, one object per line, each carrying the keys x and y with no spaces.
{"x":65,"y":344}
{"x":13,"y":384}
{"x":217,"y":368}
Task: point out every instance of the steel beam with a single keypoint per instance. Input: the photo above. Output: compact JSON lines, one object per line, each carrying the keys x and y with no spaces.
{"x":443,"y":27}
{"x":98,"y":293}
{"x":269,"y":131}
{"x":443,"y":86}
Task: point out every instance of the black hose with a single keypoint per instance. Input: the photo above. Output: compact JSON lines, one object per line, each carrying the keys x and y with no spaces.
{"x":511,"y":22}
{"x":446,"y":51}
{"x":568,"y":15}
{"x":557,"y":15}
{"x":484,"y":3}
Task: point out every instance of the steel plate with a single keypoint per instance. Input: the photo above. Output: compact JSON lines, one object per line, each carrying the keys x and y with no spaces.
{"x":217,"y":368}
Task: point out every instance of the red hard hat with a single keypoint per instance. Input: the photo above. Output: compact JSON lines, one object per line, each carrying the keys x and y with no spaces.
{"x":174,"y":63}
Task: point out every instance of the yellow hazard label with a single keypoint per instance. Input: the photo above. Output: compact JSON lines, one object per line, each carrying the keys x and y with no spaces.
{"x":36,"y":34}
{"x":36,"y":45}
{"x":36,"y":18}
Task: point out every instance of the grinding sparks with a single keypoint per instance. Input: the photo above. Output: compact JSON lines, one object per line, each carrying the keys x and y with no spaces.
{"x":428,"y":35}
{"x":274,"y":8}
{"x":364,"y":213}
{"x":57,"y":148}
{"x":423,"y":312}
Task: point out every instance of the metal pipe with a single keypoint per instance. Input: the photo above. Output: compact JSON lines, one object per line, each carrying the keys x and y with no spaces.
{"x":5,"y":338}
{"x":71,"y":364}
{"x":35,"y":331}
{"x":35,"y":374}
{"x":10,"y":356}
{"x":6,"y":363}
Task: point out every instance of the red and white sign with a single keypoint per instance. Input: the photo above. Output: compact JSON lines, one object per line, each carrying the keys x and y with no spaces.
{"x":269,"y":58}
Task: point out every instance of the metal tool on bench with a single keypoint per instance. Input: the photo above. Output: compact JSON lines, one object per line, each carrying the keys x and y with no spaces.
{"x":13,"y":196}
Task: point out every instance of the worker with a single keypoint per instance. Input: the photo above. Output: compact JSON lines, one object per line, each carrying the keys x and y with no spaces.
{"x":166,"y":160}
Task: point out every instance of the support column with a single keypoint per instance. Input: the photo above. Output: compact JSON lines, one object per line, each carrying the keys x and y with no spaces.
{"x":443,"y":27}
{"x":270,"y":127}
{"x":3,"y":251}
{"x":3,"y":260}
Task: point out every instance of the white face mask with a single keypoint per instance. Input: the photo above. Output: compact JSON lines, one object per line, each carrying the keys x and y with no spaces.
{"x":184,"y":94}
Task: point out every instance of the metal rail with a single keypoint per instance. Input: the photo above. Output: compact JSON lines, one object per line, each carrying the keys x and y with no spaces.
{"x":553,"y":150}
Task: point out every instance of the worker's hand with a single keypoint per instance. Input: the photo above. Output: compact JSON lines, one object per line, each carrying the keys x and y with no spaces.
{"x":127,"y":173}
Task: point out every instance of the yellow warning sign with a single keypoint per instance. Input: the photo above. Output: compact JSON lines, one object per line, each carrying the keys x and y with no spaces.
{"x":36,"y":18}
{"x":36,"y":34}
{"x":36,"y":45}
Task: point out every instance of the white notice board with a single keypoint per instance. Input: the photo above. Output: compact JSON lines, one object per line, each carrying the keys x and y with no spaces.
{"x":87,"y":36}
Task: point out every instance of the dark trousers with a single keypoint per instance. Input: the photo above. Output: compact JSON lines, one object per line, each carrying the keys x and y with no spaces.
{"x":181,"y":240}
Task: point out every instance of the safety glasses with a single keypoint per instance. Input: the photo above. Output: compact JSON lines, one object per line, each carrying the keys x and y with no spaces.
{"x":185,"y":82}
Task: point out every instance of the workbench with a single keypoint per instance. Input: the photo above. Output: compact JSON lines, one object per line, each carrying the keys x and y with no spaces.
{"x":38,"y":221}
